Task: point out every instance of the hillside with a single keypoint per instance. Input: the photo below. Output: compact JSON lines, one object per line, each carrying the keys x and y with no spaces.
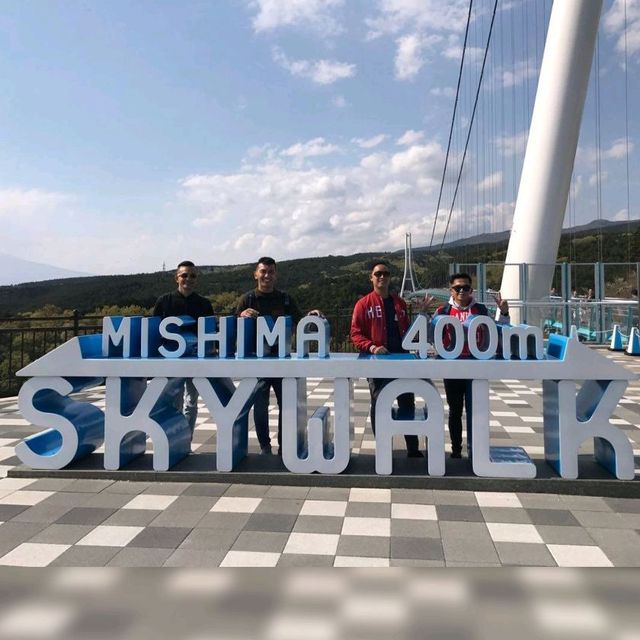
{"x":330,"y":282}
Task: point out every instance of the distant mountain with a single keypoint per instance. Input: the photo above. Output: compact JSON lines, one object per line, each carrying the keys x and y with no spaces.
{"x":15,"y":271}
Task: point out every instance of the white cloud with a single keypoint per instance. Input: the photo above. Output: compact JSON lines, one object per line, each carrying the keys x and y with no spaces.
{"x":445,"y":92}
{"x":369,"y":143}
{"x":512,"y":145}
{"x":31,"y":202}
{"x":339,"y":102}
{"x":409,"y":59}
{"x":410,"y":137}
{"x":614,"y":25}
{"x":319,"y":71}
{"x":311,"y":148}
{"x":313,"y":14}
{"x":617,"y":151}
{"x":395,"y":16}
{"x":491,"y":181}
{"x":521,"y":70}
{"x":292,"y":210}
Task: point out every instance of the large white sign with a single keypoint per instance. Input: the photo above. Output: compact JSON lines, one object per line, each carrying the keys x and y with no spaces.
{"x":143,"y":363}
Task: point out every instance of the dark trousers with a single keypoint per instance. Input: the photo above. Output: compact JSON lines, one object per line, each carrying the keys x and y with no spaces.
{"x":458,"y":397}
{"x":406,"y":408}
{"x":261,"y":409}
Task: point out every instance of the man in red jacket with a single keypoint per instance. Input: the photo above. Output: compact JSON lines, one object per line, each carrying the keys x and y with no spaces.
{"x":379,"y":321}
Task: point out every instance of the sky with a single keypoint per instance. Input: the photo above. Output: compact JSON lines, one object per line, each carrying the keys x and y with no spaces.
{"x":137,"y":134}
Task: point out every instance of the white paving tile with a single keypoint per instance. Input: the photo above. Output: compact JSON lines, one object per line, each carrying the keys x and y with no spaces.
{"x":358,"y":494}
{"x":28,"y":498}
{"x":150,"y":501}
{"x":33,"y":554}
{"x":358,"y":561}
{"x":106,"y":535}
{"x":354,"y":526}
{"x":508,"y":532}
{"x":236,"y":504}
{"x":250,"y":559}
{"x":504,"y":414}
{"x":413,"y":511}
{"x":498,"y":499}
{"x":573,"y":555}
{"x":518,"y":429}
{"x":323,"y":544}
{"x":323,"y":508}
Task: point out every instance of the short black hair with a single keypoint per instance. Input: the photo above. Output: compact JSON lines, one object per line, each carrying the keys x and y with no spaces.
{"x":460,"y":276}
{"x":266,"y":261}
{"x":371,"y":265}
{"x":186,"y":263}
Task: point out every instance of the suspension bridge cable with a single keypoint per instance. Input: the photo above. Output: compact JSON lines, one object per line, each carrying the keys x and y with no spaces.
{"x":455,"y":107}
{"x":626,"y":137}
{"x":473,"y":114}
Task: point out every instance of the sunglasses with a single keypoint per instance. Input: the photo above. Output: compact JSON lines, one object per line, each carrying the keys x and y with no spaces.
{"x":379,"y":274}
{"x":191,"y":276}
{"x":462,"y":287}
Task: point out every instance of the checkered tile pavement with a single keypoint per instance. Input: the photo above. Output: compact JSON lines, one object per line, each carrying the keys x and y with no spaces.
{"x":67,"y":522}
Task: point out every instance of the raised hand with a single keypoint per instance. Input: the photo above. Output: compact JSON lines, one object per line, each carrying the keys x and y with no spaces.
{"x":502,"y":304}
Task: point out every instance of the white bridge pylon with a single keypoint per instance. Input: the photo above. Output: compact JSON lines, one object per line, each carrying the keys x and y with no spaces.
{"x":408,"y":280}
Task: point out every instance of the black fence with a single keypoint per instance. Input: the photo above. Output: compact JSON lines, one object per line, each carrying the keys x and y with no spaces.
{"x":23,"y":340}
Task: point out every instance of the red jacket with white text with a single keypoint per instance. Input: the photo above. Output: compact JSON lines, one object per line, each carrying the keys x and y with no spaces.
{"x":369,"y":324}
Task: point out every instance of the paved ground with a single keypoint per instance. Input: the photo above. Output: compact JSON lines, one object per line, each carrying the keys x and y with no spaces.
{"x":65,"y":522}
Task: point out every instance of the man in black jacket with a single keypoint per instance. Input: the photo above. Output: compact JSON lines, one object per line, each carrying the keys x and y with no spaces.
{"x":184,"y":301}
{"x":266,"y":300}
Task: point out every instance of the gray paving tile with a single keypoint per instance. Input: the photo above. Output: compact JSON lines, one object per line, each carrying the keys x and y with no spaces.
{"x":264,"y":541}
{"x":414,"y":562}
{"x":505,"y":514}
{"x":247,"y":490}
{"x":212,"y":539}
{"x":459,"y":513}
{"x":414,"y":528}
{"x":558,"y":517}
{"x":140,"y":557}
{"x":318,"y":524}
{"x":418,"y":548}
{"x":530,"y":555}
{"x":585,"y":503}
{"x":195,"y":558}
{"x":606,"y":519}
{"x":210,"y":489}
{"x":67,"y":498}
{"x":412,"y":496}
{"x":171,"y":518}
{"x":630,"y":520}
{"x":14,"y":533}
{"x":131,"y":517}
{"x":469,"y":564}
{"x":541,"y":501}
{"x":276,"y":522}
{"x":552,"y":534}
{"x":328,"y":493}
{"x":50,"y":484}
{"x":278,"y":505}
{"x":463,"y":498}
{"x":88,"y":486}
{"x":167,"y":488}
{"x":85,"y":515}
{"x":42,"y":513}
{"x":220,"y":520}
{"x":127,"y":487}
{"x":288,"y":493}
{"x":62,"y":533}
{"x":624,"y":505}
{"x":85,"y":556}
{"x":160,"y":537}
{"x":363,"y":546}
{"x":369,"y":509}
{"x":107,"y":500}
{"x":303,"y":560}
{"x":467,"y":542}
{"x":622,"y":546}
{"x":193,"y":503}
{"x":8,"y":511}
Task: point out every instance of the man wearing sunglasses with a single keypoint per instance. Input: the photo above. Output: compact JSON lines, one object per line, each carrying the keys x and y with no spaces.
{"x":184,"y":301}
{"x":379,"y":322}
{"x":462,"y":304}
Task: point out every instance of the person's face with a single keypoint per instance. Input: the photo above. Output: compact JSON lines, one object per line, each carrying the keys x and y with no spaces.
{"x":186,"y":279}
{"x":380,"y":279}
{"x":461,"y":291}
{"x":266,"y":277}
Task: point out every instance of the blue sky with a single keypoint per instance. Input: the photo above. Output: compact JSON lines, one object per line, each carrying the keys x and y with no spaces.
{"x":137,"y":133}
